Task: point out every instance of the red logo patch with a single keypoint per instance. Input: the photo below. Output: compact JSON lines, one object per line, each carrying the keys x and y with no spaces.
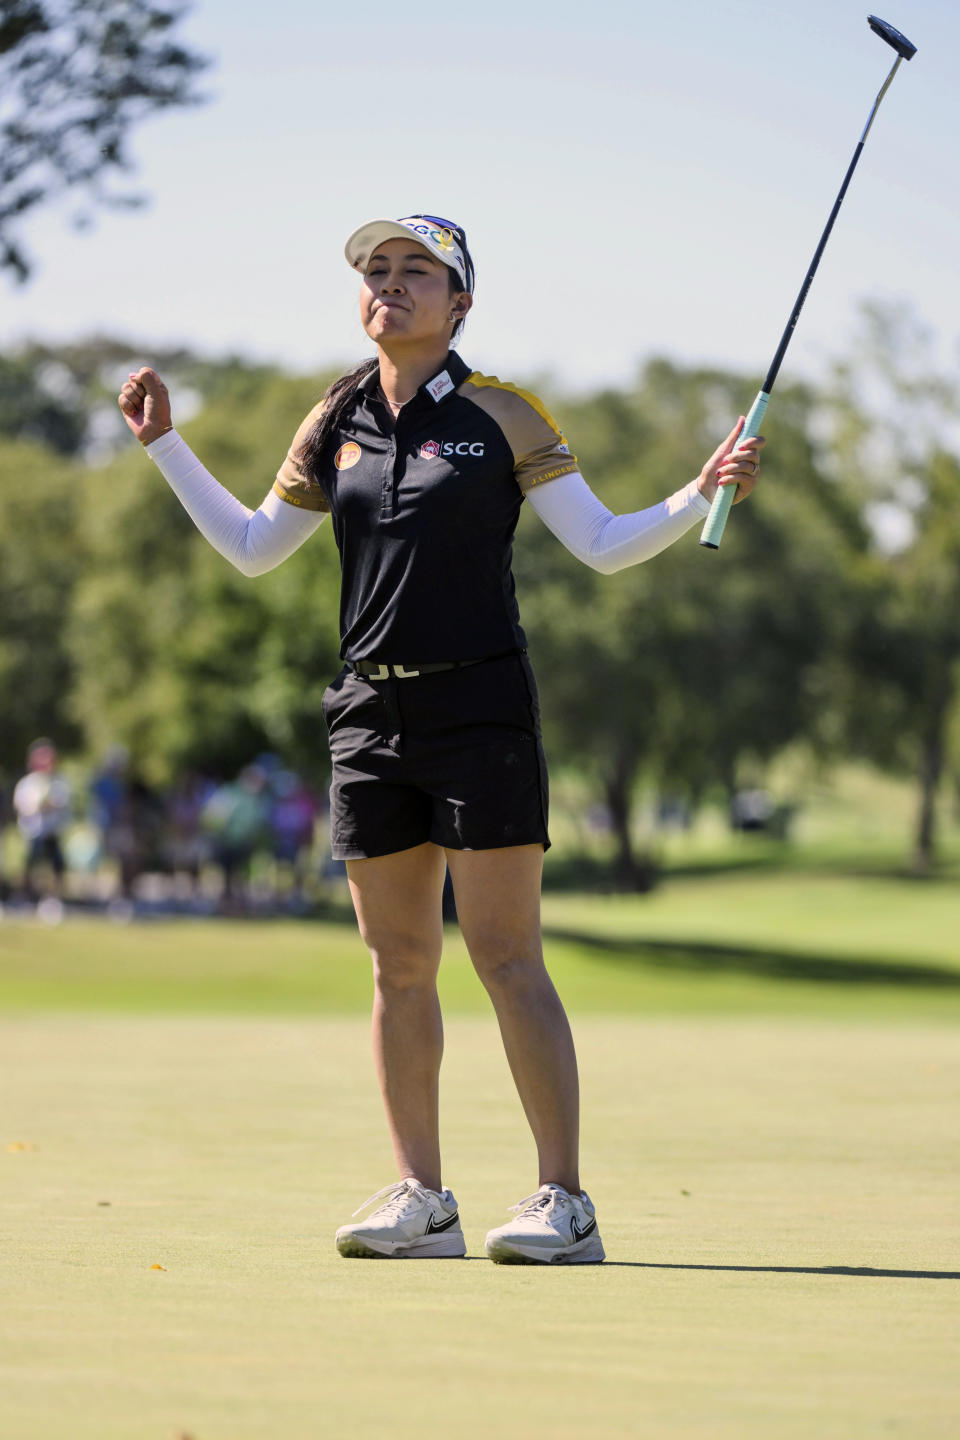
{"x":347,"y":456}
{"x":430,"y":450}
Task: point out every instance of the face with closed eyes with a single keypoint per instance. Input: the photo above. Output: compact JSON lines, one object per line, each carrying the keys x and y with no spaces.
{"x":407,"y":297}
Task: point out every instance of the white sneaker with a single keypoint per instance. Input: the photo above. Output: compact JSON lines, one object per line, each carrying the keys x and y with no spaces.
{"x":552,"y":1227}
{"x":413,"y":1223}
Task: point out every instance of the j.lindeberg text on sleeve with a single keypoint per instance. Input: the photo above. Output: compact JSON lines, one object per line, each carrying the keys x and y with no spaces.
{"x":609,"y":542}
{"x":255,"y":541}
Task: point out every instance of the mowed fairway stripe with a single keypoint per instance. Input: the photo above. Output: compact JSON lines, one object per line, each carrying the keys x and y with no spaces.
{"x":607,"y":956}
{"x":732,"y":1162}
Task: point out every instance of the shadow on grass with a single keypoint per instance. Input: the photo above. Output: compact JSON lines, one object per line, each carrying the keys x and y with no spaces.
{"x":832,"y":867}
{"x":767,"y":964}
{"x":857,"y":1272}
{"x":565,"y":873}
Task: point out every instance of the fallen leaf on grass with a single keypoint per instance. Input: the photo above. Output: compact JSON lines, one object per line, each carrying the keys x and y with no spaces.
{"x":158,"y":1267}
{"x":17,"y":1147}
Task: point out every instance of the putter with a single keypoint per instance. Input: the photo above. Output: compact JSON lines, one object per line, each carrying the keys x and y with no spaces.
{"x":713,"y":527}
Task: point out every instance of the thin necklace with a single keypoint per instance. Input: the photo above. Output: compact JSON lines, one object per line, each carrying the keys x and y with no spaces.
{"x":395,"y":408}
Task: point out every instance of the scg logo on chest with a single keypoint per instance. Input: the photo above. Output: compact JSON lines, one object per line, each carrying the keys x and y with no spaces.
{"x":435,"y":449}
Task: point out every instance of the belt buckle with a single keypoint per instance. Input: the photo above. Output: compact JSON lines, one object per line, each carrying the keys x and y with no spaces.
{"x":403,"y":674}
{"x":382,"y":672}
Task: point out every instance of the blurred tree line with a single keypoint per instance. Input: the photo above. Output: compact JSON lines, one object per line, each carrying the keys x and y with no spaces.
{"x":830,"y":616}
{"x":75,"y":78}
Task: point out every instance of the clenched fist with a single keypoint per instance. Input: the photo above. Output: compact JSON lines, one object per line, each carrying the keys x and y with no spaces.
{"x":146,"y":405}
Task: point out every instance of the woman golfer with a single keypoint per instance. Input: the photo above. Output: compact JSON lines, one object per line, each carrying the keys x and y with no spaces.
{"x":434,"y":727}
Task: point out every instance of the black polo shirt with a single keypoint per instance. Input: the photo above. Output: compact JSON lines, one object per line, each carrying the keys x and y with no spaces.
{"x":424,"y":510}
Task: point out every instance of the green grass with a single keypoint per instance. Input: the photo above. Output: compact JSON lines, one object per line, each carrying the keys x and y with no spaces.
{"x":869,"y":924}
{"x":771,"y":1081}
{"x":742,"y":943}
{"x":777,"y":1198}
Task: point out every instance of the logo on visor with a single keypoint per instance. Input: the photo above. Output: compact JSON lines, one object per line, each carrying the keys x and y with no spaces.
{"x":443,"y":238}
{"x":347,"y":456}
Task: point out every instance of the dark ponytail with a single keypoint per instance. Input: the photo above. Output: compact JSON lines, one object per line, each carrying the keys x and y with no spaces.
{"x":336,"y":405}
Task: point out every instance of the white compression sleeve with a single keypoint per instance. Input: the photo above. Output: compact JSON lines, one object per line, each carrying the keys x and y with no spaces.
{"x":253,"y":540}
{"x":609,"y":542}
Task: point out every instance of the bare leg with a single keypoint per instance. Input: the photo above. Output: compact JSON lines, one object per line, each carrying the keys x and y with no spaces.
{"x":498,"y":904}
{"x":397,"y":900}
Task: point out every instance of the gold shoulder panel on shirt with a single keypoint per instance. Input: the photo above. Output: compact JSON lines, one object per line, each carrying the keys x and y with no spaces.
{"x":491,"y":382}
{"x":539,"y":448}
{"x":291,"y":484}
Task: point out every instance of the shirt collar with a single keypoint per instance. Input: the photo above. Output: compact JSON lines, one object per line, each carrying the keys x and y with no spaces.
{"x":438,"y":388}
{"x":447,"y":381}
{"x":371,"y":384}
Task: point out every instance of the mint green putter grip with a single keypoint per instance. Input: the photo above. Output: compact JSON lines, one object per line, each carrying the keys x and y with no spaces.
{"x":712,"y":532}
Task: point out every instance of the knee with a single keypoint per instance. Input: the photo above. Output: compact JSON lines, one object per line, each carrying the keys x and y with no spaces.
{"x":401,"y":962}
{"x":511,"y":971}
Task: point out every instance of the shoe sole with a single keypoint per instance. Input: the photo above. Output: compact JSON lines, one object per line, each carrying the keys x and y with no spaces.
{"x":426,"y":1247}
{"x":585,"y":1252}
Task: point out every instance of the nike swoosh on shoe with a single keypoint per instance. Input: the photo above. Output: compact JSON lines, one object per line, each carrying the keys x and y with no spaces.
{"x":433,"y":1228}
{"x":579,"y":1234}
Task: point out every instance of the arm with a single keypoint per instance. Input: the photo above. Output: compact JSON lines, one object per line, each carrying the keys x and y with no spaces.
{"x":253,"y":541}
{"x":608,"y":542}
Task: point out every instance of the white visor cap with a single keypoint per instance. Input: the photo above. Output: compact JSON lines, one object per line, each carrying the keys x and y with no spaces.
{"x":440,"y":240}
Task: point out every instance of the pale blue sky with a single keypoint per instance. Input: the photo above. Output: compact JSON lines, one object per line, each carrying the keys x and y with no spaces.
{"x":633,"y":178}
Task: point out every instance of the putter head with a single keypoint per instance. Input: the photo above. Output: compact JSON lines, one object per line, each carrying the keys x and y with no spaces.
{"x":893,"y":37}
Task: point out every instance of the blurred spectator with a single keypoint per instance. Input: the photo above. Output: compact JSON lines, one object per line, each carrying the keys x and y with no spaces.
{"x":237,"y":816}
{"x":292,"y":820}
{"x":108,"y":796}
{"x":129,"y":816}
{"x":42,"y":801}
{"x":186,"y":846}
{"x":143,"y":816}
{"x":159,"y":844}
{"x":751,"y":810}
{"x":108,"y":790}
{"x":673,"y":813}
{"x":756,"y":810}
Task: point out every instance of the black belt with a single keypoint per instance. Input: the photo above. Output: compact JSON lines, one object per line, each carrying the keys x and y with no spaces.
{"x":373,"y":670}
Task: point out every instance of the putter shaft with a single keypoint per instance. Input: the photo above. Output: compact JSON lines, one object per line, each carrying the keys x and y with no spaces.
{"x":715,"y":523}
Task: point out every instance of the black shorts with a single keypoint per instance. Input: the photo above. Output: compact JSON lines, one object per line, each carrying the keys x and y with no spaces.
{"x":454,"y":758}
